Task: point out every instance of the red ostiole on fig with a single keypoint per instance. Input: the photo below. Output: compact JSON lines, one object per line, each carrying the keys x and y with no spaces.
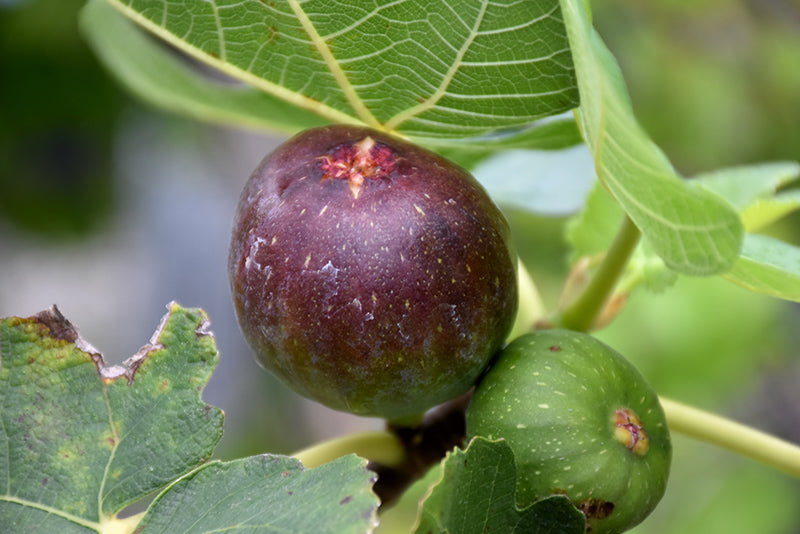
{"x":370,"y":274}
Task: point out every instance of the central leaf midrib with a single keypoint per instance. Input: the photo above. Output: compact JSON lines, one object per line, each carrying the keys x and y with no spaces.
{"x":111,"y":456}
{"x":358,"y":105}
{"x":431,"y":101}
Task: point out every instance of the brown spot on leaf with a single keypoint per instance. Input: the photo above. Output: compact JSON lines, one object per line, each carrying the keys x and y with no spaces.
{"x":346,"y":500}
{"x":60,"y":328}
{"x":204,"y":328}
{"x":555,"y":348}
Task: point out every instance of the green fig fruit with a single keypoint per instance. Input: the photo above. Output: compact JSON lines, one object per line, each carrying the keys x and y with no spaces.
{"x":581,"y":421}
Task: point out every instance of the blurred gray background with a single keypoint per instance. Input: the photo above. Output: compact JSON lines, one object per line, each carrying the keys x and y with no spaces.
{"x":110,"y":210}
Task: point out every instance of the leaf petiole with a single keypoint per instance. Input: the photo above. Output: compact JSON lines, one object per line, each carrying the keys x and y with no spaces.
{"x":587,"y":307}
{"x":381,"y":447}
{"x":733,"y":436}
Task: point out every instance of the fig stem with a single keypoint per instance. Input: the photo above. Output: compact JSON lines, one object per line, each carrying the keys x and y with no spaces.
{"x":382,"y":447}
{"x":581,"y":314}
{"x":733,"y":436}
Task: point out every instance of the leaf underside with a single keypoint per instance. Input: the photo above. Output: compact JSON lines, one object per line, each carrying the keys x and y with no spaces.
{"x":469,"y":78}
{"x":694,"y":231}
{"x":435,"y":69}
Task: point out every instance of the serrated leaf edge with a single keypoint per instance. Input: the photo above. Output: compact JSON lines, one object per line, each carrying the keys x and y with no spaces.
{"x":430,"y":489}
{"x":61,"y":328}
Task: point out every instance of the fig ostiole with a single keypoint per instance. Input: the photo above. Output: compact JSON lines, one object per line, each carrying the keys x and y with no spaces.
{"x":369,"y":274}
{"x":582,"y":421}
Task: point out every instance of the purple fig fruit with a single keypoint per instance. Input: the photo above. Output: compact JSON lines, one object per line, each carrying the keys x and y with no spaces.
{"x":370,"y":274}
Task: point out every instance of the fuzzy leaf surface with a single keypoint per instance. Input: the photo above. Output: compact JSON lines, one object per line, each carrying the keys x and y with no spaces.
{"x":80,"y":440}
{"x":440,"y":69}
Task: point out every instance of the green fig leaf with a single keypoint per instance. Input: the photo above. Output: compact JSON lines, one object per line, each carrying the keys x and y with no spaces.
{"x":79,"y":439}
{"x":765,"y":211}
{"x":753,"y":190}
{"x":476,"y":494}
{"x":744,"y":184}
{"x":156,"y":75}
{"x":766,"y":265}
{"x":444,"y":69}
{"x":693,"y":230}
{"x":591,"y":232}
{"x":268,"y":493}
{"x":769,"y":266}
{"x":546,"y":135}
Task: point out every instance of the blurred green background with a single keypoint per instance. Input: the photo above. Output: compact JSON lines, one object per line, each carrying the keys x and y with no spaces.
{"x":111,"y":209}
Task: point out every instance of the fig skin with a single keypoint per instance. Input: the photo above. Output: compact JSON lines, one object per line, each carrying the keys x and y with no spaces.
{"x":369,"y":274}
{"x":582,"y":421}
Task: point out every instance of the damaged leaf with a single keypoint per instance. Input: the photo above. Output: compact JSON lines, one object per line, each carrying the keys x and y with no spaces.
{"x":80,"y":440}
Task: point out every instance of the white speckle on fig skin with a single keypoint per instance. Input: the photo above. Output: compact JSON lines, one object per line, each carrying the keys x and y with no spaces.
{"x":585,"y":445}
{"x":398,"y":293}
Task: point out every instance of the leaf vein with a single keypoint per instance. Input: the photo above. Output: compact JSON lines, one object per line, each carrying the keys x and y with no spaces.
{"x":333,"y":65}
{"x":431,"y":101}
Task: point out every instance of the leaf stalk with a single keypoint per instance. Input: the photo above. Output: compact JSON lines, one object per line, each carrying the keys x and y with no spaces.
{"x":382,"y":447}
{"x":732,"y":436}
{"x":582,"y":314}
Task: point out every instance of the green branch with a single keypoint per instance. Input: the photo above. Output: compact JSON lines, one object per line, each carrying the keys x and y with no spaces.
{"x":584,"y":311}
{"x":732,"y":436}
{"x":381,"y":447}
